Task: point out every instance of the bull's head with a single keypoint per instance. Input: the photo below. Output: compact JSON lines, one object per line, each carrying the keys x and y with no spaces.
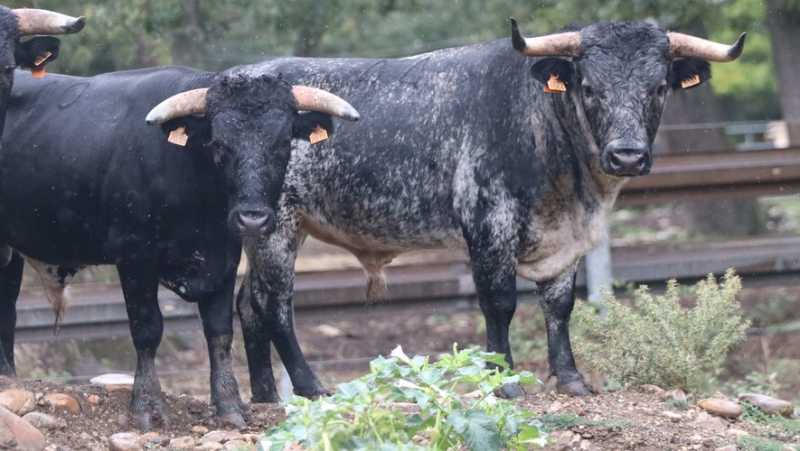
{"x":249,"y":124}
{"x":618,"y":75}
{"x":33,"y":53}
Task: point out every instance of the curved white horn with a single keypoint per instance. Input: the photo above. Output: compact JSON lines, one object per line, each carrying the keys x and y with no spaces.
{"x":560,"y":44}
{"x":313,"y":99}
{"x":42,"y":21}
{"x":179,"y":105}
{"x":686,"y":46}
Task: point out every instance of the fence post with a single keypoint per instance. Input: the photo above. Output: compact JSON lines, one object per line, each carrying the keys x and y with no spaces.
{"x":598,"y":269}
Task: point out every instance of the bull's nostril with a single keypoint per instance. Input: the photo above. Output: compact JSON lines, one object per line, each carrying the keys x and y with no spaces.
{"x":252,"y":222}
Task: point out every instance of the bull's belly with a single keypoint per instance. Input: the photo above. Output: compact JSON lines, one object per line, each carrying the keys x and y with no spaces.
{"x":375,"y":237}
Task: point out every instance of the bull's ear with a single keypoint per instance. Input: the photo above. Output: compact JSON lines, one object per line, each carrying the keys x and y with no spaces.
{"x":544,"y":69}
{"x":41,"y":50}
{"x":196,"y":129}
{"x":306,"y":123}
{"x":688,"y":73}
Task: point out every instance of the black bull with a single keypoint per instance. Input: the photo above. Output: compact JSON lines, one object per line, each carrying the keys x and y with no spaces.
{"x":84,"y":181}
{"x":461,"y":148}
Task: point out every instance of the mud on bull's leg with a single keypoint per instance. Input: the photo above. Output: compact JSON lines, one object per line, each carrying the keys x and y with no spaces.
{"x":257,"y":346}
{"x":139,"y":287}
{"x":558,"y":299}
{"x":10,"y":281}
{"x":217,"y":315}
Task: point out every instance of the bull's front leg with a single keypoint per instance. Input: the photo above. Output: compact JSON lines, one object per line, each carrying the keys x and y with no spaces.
{"x":217,"y":315}
{"x":558,"y":299}
{"x":10,"y":281}
{"x":492,"y":250}
{"x":257,"y":346}
{"x":139,"y":282}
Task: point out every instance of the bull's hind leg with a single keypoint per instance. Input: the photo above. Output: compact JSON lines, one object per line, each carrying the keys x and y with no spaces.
{"x":217,"y":315}
{"x":10,"y":280}
{"x":257,"y":346}
{"x":558,"y":299}
{"x":140,"y":287}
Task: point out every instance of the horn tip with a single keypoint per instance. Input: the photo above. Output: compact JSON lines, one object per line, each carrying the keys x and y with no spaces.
{"x":76,"y":25}
{"x":737,"y":47}
{"x":351,"y":115}
{"x":152,"y":118}
{"x":516,"y":37}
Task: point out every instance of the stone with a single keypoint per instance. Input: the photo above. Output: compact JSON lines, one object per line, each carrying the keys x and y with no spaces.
{"x":737,"y":432}
{"x":672,"y":416}
{"x":42,"y":421}
{"x":20,"y":402}
{"x":251,"y":438}
{"x":154,"y":439}
{"x":328,"y":331}
{"x":124,"y":441}
{"x":119,"y":388}
{"x":768,"y":404}
{"x":709,"y":423}
{"x":112,"y":379}
{"x":94,"y":400}
{"x":62,"y":402}
{"x":727,"y":448}
{"x":675,"y":394}
{"x":212,"y":446}
{"x":19,"y":434}
{"x":652,"y":389}
{"x":220,"y":437}
{"x":182,"y":443}
{"x":720,"y":406}
{"x":202,"y":430}
{"x":555,"y":408}
{"x":236,"y":444}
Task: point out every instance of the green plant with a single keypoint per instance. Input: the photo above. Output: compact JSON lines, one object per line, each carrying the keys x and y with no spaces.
{"x":657,"y":341}
{"x":755,"y":382}
{"x":679,"y":404}
{"x":570,"y":420}
{"x":361,"y":415}
{"x":759,"y":444}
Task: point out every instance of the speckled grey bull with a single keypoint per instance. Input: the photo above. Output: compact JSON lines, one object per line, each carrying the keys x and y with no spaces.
{"x":461,"y":148}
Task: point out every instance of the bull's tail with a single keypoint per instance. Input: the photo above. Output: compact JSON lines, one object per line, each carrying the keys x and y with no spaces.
{"x":56,"y":280}
{"x":58,"y":295}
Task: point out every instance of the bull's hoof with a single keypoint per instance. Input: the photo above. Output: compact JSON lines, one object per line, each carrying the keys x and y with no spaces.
{"x":233,"y":420}
{"x":143,"y":417}
{"x":312,"y":393}
{"x":574,"y":388}
{"x":510,"y":391}
{"x":244,"y":408}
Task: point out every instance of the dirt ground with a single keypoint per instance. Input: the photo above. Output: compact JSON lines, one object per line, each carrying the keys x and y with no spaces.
{"x":342,"y":345}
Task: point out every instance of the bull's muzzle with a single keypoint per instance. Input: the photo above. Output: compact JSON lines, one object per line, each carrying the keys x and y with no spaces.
{"x":251,"y":222}
{"x":627,"y":161}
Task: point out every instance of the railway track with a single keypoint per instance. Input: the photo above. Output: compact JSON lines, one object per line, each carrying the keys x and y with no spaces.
{"x":98,"y":309}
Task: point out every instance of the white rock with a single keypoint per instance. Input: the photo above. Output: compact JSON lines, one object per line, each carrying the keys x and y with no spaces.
{"x":112,"y":379}
{"x":124,"y":441}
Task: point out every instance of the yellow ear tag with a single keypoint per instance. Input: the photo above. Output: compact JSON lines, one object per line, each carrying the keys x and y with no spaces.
{"x":689,"y":82}
{"x":179,"y":137}
{"x":554,"y":85}
{"x":37,"y":72}
{"x":318,"y":135}
{"x":42,"y":59}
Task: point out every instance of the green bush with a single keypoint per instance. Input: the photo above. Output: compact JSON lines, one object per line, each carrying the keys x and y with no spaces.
{"x":361,"y":414}
{"x":657,"y":341}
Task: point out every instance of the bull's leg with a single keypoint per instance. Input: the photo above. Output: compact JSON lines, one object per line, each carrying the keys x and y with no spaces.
{"x":558,"y":300}
{"x":494,"y":269}
{"x":140,"y":287}
{"x":217,"y":315}
{"x":10,"y":280}
{"x":257,"y":346}
{"x":271,"y":290}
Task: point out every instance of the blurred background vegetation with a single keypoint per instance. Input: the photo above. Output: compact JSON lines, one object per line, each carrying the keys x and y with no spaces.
{"x":217,"y":34}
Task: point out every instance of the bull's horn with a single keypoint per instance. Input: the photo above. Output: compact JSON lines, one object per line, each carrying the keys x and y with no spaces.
{"x":685,"y":46}
{"x":313,"y":99}
{"x":179,"y":105}
{"x":42,"y":21}
{"x":560,"y":44}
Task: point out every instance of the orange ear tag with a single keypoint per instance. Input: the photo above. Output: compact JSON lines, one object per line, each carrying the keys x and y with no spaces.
{"x":42,"y":59}
{"x":689,"y":82}
{"x":37,"y":72}
{"x":179,"y":137}
{"x":554,"y":85}
{"x":318,"y":135}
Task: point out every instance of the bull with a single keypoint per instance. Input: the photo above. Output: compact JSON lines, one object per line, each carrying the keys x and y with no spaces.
{"x":85,"y":181}
{"x":514,"y":152}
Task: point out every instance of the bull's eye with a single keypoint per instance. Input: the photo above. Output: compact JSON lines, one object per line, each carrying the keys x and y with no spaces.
{"x":588,"y":92}
{"x":662,"y":90}
{"x":9,"y":71}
